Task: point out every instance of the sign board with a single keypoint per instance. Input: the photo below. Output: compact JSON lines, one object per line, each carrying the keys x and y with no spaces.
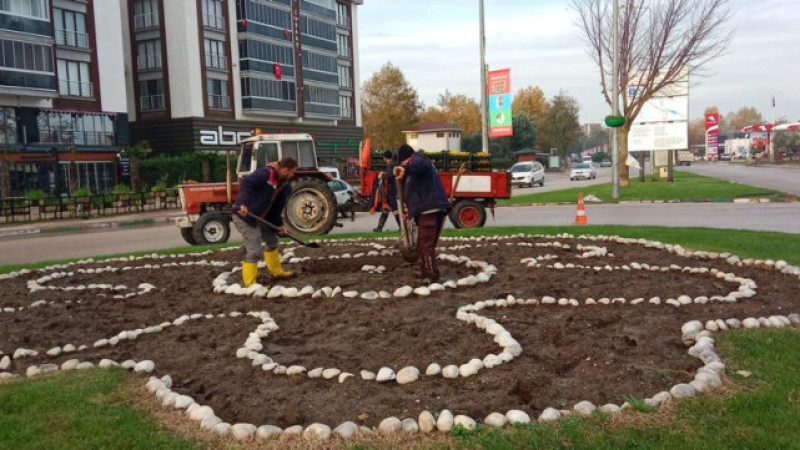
{"x":500,"y":115}
{"x":125,"y":170}
{"x":664,"y":109}
{"x":658,"y":137}
{"x":712,"y":133}
{"x":220,"y":136}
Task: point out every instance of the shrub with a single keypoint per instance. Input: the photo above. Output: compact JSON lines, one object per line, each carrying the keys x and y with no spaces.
{"x":36,"y":194}
{"x":82,"y":192}
{"x":121,"y":189}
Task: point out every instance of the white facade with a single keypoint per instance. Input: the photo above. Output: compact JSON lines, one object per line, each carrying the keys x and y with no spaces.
{"x":111,"y":56}
{"x":449,"y":140}
{"x":183,"y":50}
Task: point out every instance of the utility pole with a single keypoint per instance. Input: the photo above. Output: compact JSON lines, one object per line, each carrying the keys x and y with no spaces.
{"x":484,"y":87}
{"x":615,"y":95}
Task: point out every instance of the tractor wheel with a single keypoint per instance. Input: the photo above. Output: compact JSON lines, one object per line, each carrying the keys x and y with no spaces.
{"x":212,"y":228}
{"x":188,"y":235}
{"x":311,"y":209}
{"x":468,"y":214}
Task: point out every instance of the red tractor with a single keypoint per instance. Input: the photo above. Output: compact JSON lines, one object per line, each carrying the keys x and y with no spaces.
{"x":311,"y":209}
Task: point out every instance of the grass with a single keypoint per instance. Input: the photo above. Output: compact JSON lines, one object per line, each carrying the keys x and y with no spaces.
{"x":688,"y":187}
{"x":88,"y":409}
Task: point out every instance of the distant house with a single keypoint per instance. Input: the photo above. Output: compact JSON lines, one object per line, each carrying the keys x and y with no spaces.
{"x":526,"y":155}
{"x":434,"y":136}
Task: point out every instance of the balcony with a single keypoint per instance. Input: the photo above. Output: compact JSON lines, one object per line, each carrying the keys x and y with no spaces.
{"x":151,"y":103}
{"x":214,"y":21}
{"x":222,"y":102}
{"x":72,"y":39}
{"x":92,"y":138}
{"x":217,"y":62}
{"x":75,"y":88}
{"x":147,"y":20}
{"x":347,"y":112}
{"x":148,"y":62}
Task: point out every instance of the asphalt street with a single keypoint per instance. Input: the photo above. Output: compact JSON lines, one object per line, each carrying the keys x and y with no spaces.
{"x":781,"y":178}
{"x":772,"y":217}
{"x":554,"y":181}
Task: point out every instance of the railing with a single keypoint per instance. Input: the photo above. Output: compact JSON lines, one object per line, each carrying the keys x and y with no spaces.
{"x":72,"y":39}
{"x":147,"y":20}
{"x":219,"y":102}
{"x":216,"y":62}
{"x":214,"y":21}
{"x":15,"y":210}
{"x":76,"y":88}
{"x":151,"y":102}
{"x":347,"y":112}
{"x":148,"y":62}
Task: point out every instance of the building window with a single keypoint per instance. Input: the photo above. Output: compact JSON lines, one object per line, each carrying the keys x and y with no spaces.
{"x":345,"y":102}
{"x":24,"y":56}
{"x":212,"y":14}
{"x":343,"y":46}
{"x":439,"y":135}
{"x":8,"y":125}
{"x":76,"y":129}
{"x":268,"y":15}
{"x":318,"y":29}
{"x":345,"y":79}
{"x":149,"y":54}
{"x":342,"y":16}
{"x":37,"y":9}
{"x":318,"y":94}
{"x":70,"y":28}
{"x":73,"y":79}
{"x":98,"y":177}
{"x":319,"y":62}
{"x":215,"y":54}
{"x":273,"y":89}
{"x":264,"y":51}
{"x":152,"y":95}
{"x":217,"y":91}
{"x":145,"y":14}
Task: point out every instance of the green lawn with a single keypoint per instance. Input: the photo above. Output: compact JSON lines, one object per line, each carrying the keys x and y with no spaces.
{"x":88,"y":410}
{"x":687,"y":187}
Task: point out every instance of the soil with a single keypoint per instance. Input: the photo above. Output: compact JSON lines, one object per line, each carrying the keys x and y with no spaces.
{"x":596,"y":353}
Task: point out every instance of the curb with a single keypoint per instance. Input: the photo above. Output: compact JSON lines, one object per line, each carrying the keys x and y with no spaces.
{"x":130,"y":223}
{"x":739,"y":201}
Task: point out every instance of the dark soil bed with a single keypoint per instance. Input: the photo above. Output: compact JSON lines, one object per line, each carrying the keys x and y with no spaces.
{"x":596,"y":353}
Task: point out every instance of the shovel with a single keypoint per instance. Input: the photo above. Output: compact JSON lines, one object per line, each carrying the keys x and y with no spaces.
{"x":408,"y":251}
{"x":276,"y":228}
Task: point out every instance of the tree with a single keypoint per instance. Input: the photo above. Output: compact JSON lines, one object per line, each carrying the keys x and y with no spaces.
{"x":390,"y":105}
{"x":745,"y":116}
{"x":456,"y":109}
{"x":659,"y":40}
{"x":136,"y":153}
{"x":697,"y":132}
{"x":561,"y":123}
{"x":532,"y":102}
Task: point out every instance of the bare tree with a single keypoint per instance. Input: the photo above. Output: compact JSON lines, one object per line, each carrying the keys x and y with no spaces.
{"x":659,"y":41}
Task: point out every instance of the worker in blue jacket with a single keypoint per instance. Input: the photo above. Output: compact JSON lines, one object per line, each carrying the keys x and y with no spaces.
{"x":426,"y":204}
{"x":263,"y":193}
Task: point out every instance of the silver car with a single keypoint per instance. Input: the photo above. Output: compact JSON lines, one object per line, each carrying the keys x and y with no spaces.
{"x":583,"y":170}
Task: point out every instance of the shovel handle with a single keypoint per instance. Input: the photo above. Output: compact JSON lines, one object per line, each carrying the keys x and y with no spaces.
{"x":277,"y":228}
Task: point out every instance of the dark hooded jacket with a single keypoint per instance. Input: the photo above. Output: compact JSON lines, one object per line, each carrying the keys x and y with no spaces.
{"x":422,"y":187}
{"x":264,"y":196}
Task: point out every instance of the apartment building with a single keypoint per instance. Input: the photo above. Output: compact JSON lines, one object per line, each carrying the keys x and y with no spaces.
{"x":63,"y":109}
{"x":205,"y":73}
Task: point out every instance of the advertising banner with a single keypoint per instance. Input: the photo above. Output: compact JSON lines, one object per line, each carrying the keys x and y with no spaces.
{"x":662,"y":123}
{"x":712,"y":133}
{"x":500,"y":114}
{"x":658,"y":137}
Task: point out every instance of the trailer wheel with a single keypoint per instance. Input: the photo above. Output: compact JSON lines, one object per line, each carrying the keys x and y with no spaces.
{"x":468,"y":214}
{"x":311,"y":209}
{"x":212,"y":228}
{"x":188,"y":235}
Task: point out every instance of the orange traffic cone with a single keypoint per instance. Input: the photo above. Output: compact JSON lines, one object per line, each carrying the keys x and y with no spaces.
{"x":580,"y":215}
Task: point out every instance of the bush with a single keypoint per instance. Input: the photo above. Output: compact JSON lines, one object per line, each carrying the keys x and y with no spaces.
{"x":36,"y":194}
{"x":173,"y":170}
{"x":82,"y":192}
{"x":121,"y":189}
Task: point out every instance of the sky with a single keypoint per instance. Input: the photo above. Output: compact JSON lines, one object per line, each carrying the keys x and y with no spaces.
{"x":435,"y":44}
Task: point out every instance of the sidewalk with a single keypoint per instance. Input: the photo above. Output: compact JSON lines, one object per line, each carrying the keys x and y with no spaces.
{"x":78,"y":225}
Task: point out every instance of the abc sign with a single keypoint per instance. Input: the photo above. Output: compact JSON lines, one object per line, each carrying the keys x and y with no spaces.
{"x":221,"y":137}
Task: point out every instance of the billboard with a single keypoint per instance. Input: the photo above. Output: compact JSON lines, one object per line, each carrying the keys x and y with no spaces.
{"x":712,"y":133}
{"x":663,"y":122}
{"x":658,"y":137}
{"x":664,"y":109}
{"x":500,"y":114}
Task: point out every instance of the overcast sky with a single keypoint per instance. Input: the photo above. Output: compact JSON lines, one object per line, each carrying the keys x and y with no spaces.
{"x":435,"y":44}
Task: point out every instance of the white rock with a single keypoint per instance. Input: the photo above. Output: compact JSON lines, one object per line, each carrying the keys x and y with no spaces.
{"x":610,"y":408}
{"x":84,"y":365}
{"x":371,"y":295}
{"x":464,"y":421}
{"x":683,"y":391}
{"x":367,"y":375}
{"x":346,"y":430}
{"x":266,"y":432}
{"x":385,"y":374}
{"x":426,"y":421}
{"x":315,"y":373}
{"x":209,"y":422}
{"x":404,"y":291}
{"x":222,"y":429}
{"x":350,"y":294}
{"x":200,"y":413}
{"x":584,"y":408}
{"x":433,"y":369}
{"x":751,"y":323}
{"x":496,"y":420}
{"x":295,"y":370}
{"x":445,"y":421}
{"x":183,"y":402}
{"x":450,"y":371}
{"x":295,"y":430}
{"x":317,"y":432}
{"x":422,"y":291}
{"x":517,"y":416}
{"x":70,"y":364}
{"x":5,"y":363}
{"x":344,"y":376}
{"x":410,"y":426}
{"x":145,"y":366}
{"x":330,"y":373}
{"x":549,"y":415}
{"x":407,"y":375}
{"x":390,"y":425}
{"x":107,"y":363}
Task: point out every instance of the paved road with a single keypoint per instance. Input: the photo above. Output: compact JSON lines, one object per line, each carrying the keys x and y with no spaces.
{"x":784,"y":179}
{"x":554,"y":181}
{"x":773,"y":217}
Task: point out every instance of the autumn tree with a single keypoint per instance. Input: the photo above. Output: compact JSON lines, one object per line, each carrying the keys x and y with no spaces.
{"x":389,"y":105}
{"x":561,"y":123}
{"x":745,"y":116}
{"x":697,"y":132}
{"x":659,"y":41}
{"x":532,"y":102}
{"x":457,"y":109}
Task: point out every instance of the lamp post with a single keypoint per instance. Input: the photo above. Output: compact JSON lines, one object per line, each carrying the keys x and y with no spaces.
{"x":615,"y":95}
{"x":484,"y":123}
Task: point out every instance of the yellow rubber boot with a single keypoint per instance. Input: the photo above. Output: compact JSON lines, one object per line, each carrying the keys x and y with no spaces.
{"x":273,"y":260}
{"x":249,"y":272}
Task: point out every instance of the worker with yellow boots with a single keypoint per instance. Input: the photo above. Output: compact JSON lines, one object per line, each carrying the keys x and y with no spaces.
{"x":263,"y":193}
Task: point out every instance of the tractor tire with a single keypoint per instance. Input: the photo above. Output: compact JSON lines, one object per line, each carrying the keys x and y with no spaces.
{"x":468,"y":214}
{"x":188,"y":235}
{"x":311,"y":209}
{"x":212,"y":228}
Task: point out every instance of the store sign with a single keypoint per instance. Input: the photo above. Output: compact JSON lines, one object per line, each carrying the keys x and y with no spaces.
{"x":221,"y":137}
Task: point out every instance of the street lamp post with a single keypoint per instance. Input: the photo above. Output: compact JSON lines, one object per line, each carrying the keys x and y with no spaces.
{"x":615,"y":95}
{"x":484,"y":122}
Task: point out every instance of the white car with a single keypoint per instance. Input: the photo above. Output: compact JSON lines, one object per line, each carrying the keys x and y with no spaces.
{"x":583,"y":170}
{"x":527,"y":174}
{"x":342,"y":190}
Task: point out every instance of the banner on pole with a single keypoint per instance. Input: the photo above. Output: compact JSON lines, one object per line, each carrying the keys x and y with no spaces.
{"x":712,"y":133}
{"x":500,"y":114}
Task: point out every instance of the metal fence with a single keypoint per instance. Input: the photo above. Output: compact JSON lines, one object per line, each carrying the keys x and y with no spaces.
{"x":18,"y":210}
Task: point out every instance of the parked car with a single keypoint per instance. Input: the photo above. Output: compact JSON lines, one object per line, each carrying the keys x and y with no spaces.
{"x":332,"y":171}
{"x":605,"y":163}
{"x":527,"y":174}
{"x":583,"y":170}
{"x":344,"y":194}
